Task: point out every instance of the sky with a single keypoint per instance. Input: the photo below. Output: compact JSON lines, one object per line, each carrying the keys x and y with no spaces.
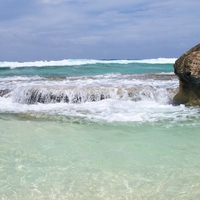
{"x":33,"y":30}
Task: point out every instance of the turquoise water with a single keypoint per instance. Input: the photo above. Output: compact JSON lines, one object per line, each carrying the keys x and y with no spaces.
{"x":85,"y":69}
{"x":57,"y":160}
{"x":118,"y":136}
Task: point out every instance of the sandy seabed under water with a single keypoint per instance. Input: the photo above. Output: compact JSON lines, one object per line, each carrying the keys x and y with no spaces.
{"x":44,"y":159}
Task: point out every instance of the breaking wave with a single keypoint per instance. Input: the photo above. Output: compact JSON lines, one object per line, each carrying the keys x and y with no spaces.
{"x":32,"y":95}
{"x":77,"y":62}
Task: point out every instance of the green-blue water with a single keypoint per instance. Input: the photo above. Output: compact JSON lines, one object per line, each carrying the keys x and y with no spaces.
{"x":134,"y":144}
{"x":56,"y":160}
{"x":85,"y":69}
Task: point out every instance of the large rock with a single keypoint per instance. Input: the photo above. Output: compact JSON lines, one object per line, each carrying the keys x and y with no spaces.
{"x":187,"y":68}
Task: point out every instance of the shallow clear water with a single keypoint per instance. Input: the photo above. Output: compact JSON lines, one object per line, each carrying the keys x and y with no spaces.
{"x":91,"y":130}
{"x":59,"y":160}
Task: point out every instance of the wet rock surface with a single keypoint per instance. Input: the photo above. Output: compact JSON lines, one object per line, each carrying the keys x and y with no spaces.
{"x":187,"y":68}
{"x":4,"y":92}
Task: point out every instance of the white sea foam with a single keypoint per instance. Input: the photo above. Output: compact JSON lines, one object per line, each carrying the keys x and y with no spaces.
{"x":108,"y":110}
{"x":128,"y":98}
{"x":72,"y":62}
{"x":157,"y":61}
{"x":110,"y":80}
{"x":20,"y":78}
{"x":109,"y":98}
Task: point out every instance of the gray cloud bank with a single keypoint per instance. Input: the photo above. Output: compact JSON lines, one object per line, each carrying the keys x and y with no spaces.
{"x":62,"y":29}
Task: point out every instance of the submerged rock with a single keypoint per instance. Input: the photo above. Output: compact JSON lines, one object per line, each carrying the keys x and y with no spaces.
{"x":4,"y":92}
{"x":187,"y":68}
{"x":45,"y":95}
{"x":32,"y":95}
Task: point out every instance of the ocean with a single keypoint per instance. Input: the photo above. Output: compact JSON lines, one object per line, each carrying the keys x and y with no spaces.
{"x":96,"y":130}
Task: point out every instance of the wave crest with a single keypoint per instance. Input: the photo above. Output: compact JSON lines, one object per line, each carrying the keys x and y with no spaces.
{"x":77,"y":62}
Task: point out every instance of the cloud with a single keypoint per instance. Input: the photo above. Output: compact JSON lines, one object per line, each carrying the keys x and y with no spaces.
{"x":59,"y":29}
{"x":55,"y":2}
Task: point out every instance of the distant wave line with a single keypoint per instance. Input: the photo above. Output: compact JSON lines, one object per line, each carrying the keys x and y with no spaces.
{"x":77,"y":62}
